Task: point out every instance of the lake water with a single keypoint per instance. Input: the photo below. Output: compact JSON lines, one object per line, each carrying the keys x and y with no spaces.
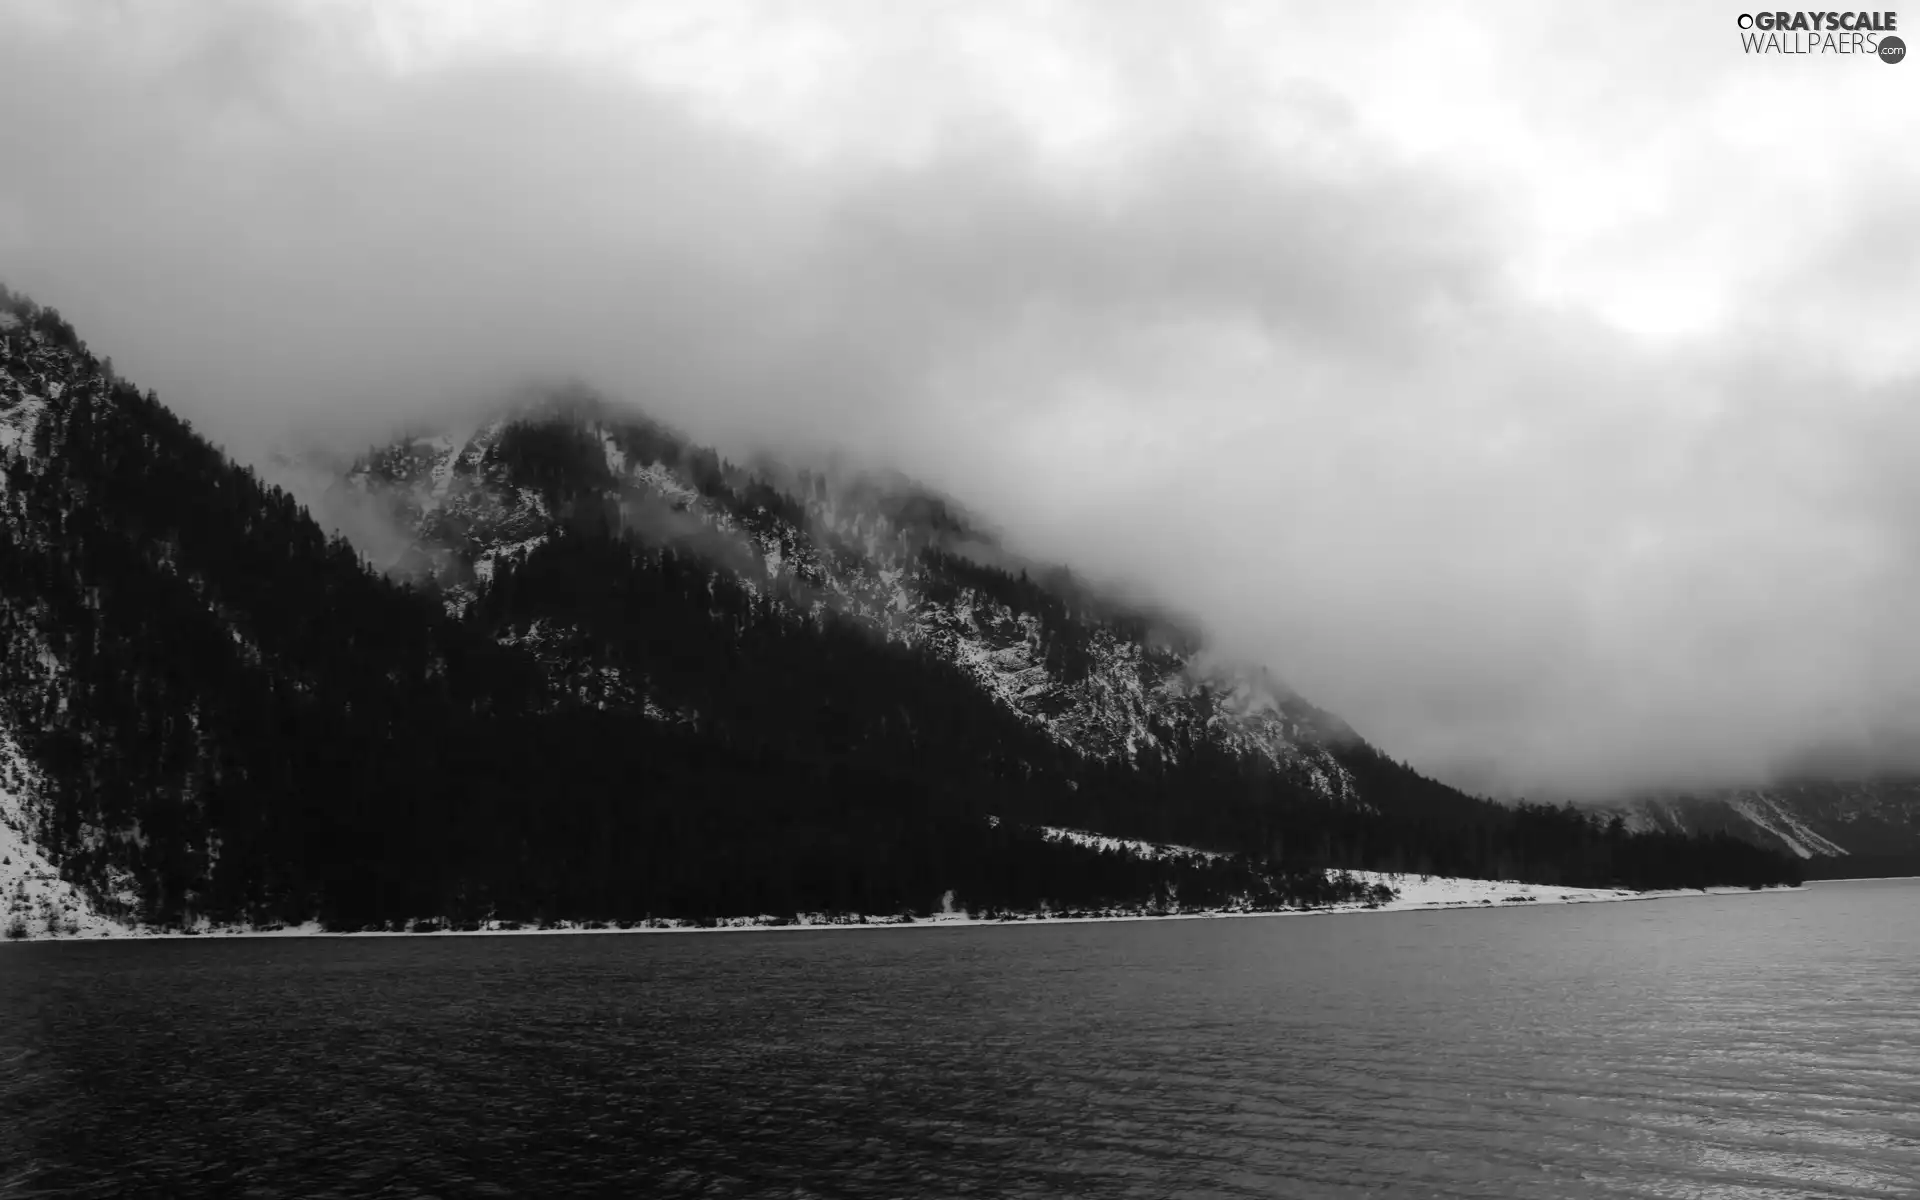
{"x":1741,"y":1046}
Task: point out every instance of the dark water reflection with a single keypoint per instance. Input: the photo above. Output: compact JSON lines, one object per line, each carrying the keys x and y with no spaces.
{"x":1747,"y":1046}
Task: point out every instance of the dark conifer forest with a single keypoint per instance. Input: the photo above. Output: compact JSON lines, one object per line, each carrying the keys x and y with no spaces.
{"x":234,"y":718}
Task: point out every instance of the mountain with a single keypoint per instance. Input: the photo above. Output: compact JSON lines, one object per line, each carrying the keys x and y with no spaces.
{"x":900,"y":564}
{"x":1841,"y":827}
{"x":1156,"y":738}
{"x":607,"y":676}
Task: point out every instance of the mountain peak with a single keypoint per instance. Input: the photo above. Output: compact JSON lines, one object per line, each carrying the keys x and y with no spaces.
{"x":879,"y":551}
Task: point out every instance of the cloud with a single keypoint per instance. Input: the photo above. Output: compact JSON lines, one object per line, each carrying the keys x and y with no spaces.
{"x":1533,"y":393}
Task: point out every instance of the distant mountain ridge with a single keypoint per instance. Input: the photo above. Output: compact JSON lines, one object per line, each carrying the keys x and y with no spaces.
{"x":1840,"y":827}
{"x":630,"y":681}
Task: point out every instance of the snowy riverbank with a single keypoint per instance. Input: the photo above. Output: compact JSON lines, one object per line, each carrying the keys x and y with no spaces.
{"x":1412,"y":893}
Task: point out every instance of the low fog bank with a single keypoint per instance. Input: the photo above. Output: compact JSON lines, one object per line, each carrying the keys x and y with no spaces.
{"x":1253,"y":360}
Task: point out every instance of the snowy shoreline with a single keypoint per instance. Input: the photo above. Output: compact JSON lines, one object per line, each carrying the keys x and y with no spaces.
{"x":1414,"y":894}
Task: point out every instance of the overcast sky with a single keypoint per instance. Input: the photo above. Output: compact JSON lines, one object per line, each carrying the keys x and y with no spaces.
{"x":1534,"y":385}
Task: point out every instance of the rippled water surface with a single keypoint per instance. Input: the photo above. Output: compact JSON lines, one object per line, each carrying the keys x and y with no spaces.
{"x":1742,"y":1046}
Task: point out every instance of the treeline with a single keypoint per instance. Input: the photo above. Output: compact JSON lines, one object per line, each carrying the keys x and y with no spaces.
{"x":638,"y":821}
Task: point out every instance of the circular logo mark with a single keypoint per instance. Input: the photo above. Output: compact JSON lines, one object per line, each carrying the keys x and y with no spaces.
{"x":1892,"y":49}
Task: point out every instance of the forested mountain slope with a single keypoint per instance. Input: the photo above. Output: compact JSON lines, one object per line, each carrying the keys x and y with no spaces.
{"x":548,"y":524}
{"x":629,"y":680}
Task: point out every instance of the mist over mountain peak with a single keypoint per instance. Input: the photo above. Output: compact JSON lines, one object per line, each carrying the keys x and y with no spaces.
{"x":901,"y":560}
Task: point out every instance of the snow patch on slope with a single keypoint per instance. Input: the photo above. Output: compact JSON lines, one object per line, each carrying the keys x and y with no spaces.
{"x":1149,"y":850}
{"x":1435,"y":891}
{"x":34,"y":901}
{"x":450,"y":447}
{"x":18,"y":423}
{"x":616,"y":457}
{"x":664,"y":481}
{"x":1770,"y":815}
{"x":483,"y":565}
